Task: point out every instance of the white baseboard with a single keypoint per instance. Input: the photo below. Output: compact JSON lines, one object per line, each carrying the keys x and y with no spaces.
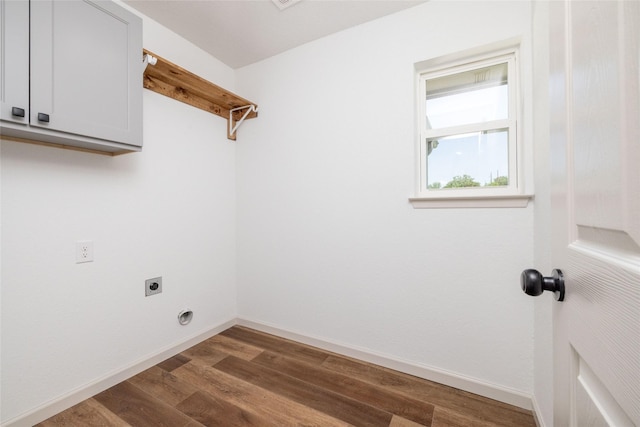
{"x":536,"y":413}
{"x":472,"y":385}
{"x":66,"y":401}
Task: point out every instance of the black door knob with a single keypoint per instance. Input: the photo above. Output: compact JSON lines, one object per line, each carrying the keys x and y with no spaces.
{"x":533,"y":283}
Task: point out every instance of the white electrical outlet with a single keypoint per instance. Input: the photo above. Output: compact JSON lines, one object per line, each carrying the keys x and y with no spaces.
{"x":84,"y":251}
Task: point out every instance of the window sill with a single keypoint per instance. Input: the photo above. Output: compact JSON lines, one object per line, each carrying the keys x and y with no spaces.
{"x":514,"y":201}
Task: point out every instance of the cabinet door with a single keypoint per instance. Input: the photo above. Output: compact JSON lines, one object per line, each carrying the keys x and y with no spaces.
{"x":14,"y":68}
{"x":86,"y":72}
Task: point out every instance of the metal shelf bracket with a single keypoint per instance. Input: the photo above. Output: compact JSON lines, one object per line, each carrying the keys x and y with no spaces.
{"x":148,"y":59}
{"x":233,"y":128}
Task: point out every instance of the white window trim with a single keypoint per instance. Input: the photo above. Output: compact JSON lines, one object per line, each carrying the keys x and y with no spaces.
{"x":511,"y":196}
{"x":493,"y":201}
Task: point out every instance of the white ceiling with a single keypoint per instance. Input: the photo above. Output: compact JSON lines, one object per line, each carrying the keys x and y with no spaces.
{"x":241,"y":32}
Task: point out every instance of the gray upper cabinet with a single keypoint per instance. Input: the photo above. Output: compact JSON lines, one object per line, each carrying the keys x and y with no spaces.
{"x":71,"y":74}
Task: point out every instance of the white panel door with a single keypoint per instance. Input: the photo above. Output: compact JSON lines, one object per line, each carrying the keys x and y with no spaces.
{"x":595,"y":147}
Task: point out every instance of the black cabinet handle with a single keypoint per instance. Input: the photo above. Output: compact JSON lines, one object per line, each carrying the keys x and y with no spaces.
{"x":17,"y":111}
{"x":534,"y":284}
{"x":42,"y":117}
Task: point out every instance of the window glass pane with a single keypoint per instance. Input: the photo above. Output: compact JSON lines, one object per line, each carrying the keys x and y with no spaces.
{"x":479,"y":159}
{"x":474,"y":96}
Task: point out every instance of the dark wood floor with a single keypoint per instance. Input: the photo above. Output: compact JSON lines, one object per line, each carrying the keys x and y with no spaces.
{"x":242,"y":377}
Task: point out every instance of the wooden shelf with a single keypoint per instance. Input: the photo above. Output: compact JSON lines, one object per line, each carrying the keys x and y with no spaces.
{"x":175,"y":82}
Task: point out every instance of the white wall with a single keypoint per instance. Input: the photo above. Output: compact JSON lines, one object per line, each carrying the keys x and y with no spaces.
{"x":328,"y":244}
{"x":168,"y":211}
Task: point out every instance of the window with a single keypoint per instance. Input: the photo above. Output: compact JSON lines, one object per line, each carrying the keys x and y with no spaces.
{"x":468,"y":118}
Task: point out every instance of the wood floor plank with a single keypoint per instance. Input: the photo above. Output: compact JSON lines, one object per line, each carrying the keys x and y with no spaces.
{"x":276,"y":344}
{"x":444,"y":417}
{"x":173,"y":362}
{"x":273,"y":408}
{"x":213,"y":412}
{"x":397,"y":421}
{"x":139,"y":408}
{"x":86,"y":413}
{"x":476,"y":409}
{"x":331,"y":403}
{"x":376,"y":396}
{"x":205,"y":352}
{"x":163,"y":385}
{"x":233,"y":347}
